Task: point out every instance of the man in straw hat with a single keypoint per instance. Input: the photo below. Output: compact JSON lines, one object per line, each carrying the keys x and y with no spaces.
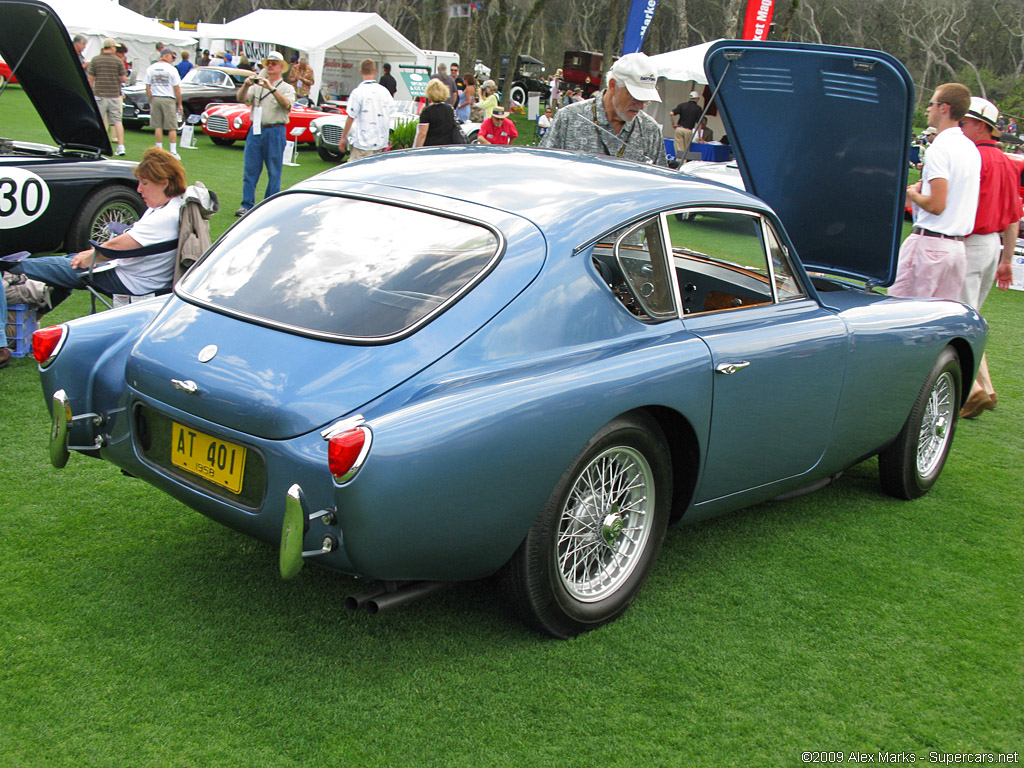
{"x":497,"y":129}
{"x":996,"y":224}
{"x":271,"y":99}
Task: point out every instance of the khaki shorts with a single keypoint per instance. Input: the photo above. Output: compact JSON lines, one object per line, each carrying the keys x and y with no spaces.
{"x":358,"y":154}
{"x":163,"y":113}
{"x":110,"y":110}
{"x":682,"y":141}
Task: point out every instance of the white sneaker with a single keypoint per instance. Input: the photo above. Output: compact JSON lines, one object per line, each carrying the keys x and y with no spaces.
{"x":120,"y":150}
{"x":175,"y":155}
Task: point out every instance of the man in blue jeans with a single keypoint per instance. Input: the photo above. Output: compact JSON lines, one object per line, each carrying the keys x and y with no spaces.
{"x":271,"y":99}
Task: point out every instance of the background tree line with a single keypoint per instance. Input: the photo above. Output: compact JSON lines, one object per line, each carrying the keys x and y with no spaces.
{"x":978,"y":42}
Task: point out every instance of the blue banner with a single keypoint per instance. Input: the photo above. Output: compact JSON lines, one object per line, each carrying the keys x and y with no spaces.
{"x":640,"y":14}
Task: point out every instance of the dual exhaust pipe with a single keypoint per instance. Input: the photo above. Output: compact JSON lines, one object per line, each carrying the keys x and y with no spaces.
{"x":385,"y":595}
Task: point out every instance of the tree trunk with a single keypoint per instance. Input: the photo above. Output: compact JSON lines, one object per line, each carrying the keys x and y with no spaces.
{"x":517,"y":46}
{"x":684,"y":26}
{"x":733,"y":14}
{"x":613,"y":38}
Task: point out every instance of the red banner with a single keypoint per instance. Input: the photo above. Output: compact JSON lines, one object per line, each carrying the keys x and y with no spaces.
{"x":758,"y":19}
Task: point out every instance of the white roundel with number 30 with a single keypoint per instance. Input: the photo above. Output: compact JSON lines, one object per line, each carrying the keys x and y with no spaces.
{"x":23,"y":197}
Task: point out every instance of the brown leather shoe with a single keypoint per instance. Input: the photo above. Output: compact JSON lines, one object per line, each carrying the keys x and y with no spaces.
{"x":976,"y":404}
{"x":5,"y":356}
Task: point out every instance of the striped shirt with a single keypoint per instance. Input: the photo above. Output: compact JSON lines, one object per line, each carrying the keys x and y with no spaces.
{"x":106,"y":71}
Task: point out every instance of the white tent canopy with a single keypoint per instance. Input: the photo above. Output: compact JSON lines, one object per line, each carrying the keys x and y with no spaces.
{"x":211,"y":36}
{"x":686,"y":64}
{"x":334,"y":42}
{"x":679,"y":73}
{"x":98,"y":19}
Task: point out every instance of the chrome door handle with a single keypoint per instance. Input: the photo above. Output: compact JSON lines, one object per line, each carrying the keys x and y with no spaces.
{"x":731,"y":367}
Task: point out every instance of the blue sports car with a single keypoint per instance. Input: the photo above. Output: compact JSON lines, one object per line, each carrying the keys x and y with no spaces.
{"x":443,"y":363}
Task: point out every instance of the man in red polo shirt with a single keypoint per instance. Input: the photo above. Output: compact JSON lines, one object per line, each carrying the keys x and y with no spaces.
{"x":497,"y":129}
{"x":990,"y":245}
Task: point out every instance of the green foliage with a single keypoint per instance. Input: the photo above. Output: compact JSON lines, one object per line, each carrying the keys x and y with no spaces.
{"x":135,"y":631}
{"x":404,"y":134}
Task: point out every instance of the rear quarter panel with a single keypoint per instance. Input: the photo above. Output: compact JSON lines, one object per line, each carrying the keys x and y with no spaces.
{"x":466,"y":454}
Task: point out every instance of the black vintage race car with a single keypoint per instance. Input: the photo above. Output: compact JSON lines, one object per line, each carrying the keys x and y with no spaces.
{"x":57,"y":197}
{"x":201,"y":87}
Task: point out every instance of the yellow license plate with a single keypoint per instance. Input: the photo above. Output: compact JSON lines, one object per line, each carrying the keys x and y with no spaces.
{"x":218,"y":461}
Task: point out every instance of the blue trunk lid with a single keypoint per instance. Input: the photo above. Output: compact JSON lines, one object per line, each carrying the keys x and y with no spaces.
{"x":277,"y":383}
{"x":822,"y":134}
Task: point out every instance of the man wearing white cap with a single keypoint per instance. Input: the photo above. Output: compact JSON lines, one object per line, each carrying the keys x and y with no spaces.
{"x":613,"y":122}
{"x":163,"y":89}
{"x":687,"y":114}
{"x":990,"y":245}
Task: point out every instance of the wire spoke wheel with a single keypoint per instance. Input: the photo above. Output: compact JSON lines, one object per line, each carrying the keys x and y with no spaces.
{"x":935,"y":432}
{"x":116,"y":213}
{"x":912,"y":463}
{"x":589,"y":551}
{"x":605,"y":524}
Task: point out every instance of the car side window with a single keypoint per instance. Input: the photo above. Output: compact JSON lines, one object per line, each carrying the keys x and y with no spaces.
{"x":641,"y":258}
{"x":787,"y":284}
{"x":727,"y":259}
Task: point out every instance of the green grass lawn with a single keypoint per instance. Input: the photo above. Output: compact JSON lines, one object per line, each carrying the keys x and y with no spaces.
{"x":136,"y":632}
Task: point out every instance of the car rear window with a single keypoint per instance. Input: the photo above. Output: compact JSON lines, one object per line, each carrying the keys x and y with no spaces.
{"x":342,"y":267}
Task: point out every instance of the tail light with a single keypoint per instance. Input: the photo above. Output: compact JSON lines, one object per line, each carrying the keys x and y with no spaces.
{"x":346,"y":452}
{"x":46,"y":343}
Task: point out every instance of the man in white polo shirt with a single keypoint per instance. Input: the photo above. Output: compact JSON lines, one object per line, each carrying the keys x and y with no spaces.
{"x":163,"y":89}
{"x":933,"y":259}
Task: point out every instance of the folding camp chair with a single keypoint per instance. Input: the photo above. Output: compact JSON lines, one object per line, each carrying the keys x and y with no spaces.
{"x":192,"y":240}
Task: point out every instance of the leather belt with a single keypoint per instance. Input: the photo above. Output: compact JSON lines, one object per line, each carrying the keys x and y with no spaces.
{"x":928,"y":233}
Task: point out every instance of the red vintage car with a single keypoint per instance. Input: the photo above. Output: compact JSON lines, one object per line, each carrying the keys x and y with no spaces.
{"x":5,"y":74}
{"x":227,"y":123}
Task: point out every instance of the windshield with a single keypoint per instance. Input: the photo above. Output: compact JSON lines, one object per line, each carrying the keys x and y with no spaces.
{"x":340,"y":267}
{"x":203,"y":76}
{"x":531,"y":69}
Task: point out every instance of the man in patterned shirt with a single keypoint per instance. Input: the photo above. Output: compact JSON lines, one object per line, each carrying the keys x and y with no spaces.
{"x":613,"y":121}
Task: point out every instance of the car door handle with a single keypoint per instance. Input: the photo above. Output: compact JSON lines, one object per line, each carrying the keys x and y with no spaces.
{"x":731,"y":367}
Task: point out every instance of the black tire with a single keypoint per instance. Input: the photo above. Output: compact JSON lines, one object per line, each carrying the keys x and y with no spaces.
{"x":112,"y":203}
{"x":609,"y":512}
{"x":3,"y":81}
{"x":518,"y":94}
{"x":912,"y":464}
{"x":330,"y":155}
{"x":222,"y":142}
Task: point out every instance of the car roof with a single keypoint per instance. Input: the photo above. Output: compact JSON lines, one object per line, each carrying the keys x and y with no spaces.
{"x":567,"y":195}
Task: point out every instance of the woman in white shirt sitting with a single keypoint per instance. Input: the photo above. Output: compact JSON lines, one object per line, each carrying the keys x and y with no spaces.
{"x":161,"y":183}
